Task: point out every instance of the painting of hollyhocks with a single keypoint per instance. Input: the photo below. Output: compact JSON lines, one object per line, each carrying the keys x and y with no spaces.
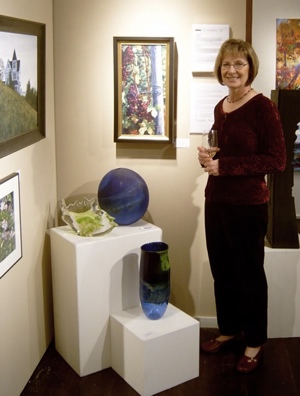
{"x":143,"y":89}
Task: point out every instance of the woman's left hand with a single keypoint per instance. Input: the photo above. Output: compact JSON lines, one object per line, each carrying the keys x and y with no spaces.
{"x":212,"y":167}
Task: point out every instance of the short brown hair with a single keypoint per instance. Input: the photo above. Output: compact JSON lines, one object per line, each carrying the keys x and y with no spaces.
{"x":237,"y":47}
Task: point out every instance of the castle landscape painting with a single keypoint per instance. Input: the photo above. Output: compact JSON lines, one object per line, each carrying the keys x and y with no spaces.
{"x":18,"y":84}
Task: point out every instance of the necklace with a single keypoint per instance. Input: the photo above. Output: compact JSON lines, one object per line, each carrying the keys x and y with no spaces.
{"x":233,"y":101}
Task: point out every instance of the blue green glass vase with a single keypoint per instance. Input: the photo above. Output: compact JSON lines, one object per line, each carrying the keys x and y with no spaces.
{"x":154,"y":279}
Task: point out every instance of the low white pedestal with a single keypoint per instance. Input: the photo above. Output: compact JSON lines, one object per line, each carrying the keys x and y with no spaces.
{"x":152,"y":356}
{"x":93,"y":277}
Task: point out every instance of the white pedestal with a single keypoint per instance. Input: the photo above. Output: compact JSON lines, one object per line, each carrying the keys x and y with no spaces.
{"x":93,"y":277}
{"x":152,"y":356}
{"x":282,"y":268}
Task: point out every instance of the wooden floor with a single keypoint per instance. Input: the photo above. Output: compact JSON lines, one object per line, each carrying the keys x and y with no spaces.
{"x":277,"y":375}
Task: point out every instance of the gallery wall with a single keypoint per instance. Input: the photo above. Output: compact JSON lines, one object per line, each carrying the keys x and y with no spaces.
{"x":85,"y":151}
{"x":26,"y":324}
{"x":84,"y":97}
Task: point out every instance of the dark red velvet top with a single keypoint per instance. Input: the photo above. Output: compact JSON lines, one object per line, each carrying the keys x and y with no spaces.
{"x":251,"y":145}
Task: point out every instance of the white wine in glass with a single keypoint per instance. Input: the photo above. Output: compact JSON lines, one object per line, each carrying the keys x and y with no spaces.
{"x":210,"y":142}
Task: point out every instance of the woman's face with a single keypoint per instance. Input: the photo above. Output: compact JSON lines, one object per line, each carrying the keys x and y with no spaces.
{"x":232,"y":77}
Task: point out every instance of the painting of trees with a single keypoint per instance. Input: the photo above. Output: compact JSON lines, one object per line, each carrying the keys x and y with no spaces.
{"x":288,"y":54}
{"x":144,"y":89}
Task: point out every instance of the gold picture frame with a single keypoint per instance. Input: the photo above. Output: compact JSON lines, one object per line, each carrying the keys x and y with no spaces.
{"x":143,"y":89}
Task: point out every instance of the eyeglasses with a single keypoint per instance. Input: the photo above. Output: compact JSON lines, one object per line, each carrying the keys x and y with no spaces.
{"x":236,"y":65}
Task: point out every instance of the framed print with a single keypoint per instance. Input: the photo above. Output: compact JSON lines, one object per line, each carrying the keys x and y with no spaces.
{"x":22,"y":84}
{"x":10,"y":223}
{"x":143,"y":89}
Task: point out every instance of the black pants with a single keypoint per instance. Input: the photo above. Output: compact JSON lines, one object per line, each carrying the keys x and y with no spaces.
{"x":235,"y":243}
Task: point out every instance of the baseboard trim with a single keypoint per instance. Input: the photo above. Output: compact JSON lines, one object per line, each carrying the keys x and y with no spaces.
{"x":209,"y":322}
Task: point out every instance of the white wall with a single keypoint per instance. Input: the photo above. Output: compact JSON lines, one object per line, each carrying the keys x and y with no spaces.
{"x":83,"y":44}
{"x":26,"y":326}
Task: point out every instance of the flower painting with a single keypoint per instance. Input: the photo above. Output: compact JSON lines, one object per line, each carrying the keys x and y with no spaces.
{"x":7,"y":226}
{"x":10,"y":226}
{"x":143,"y":89}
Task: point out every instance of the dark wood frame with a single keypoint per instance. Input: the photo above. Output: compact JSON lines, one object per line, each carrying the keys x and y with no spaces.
{"x":167,"y":136}
{"x":13,"y":25}
{"x":249,"y":13}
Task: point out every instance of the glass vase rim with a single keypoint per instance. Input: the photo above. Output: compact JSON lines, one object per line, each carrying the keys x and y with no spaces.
{"x":154,"y":247}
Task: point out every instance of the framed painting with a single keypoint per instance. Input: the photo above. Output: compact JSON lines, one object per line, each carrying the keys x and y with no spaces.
{"x":10,"y":223}
{"x":143,"y":89}
{"x":22,"y":84}
{"x":288,"y":54}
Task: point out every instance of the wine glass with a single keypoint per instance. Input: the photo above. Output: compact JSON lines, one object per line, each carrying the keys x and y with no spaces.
{"x":210,"y":142}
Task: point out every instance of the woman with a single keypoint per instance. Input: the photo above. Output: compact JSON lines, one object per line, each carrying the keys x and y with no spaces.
{"x":250,"y":145}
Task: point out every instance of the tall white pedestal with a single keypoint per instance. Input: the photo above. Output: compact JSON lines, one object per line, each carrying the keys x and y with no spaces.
{"x":282,"y":268}
{"x":93,"y":277}
{"x":154,"y":355}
